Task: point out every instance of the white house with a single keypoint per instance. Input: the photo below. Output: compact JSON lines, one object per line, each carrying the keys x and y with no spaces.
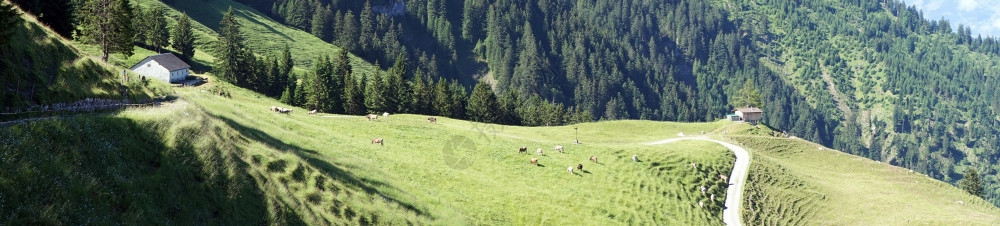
{"x":165,"y":67}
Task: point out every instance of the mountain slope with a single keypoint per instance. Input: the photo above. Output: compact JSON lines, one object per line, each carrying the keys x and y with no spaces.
{"x":41,"y":68}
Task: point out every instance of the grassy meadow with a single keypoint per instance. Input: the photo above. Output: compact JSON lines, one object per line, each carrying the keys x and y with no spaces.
{"x":233,"y":161}
{"x":795,"y":182}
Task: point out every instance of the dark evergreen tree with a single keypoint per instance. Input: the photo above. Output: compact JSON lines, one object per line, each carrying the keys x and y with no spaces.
{"x":231,"y":54}
{"x":108,"y":23}
{"x":971,"y":182}
{"x":375,"y":90}
{"x":322,"y":23}
{"x":483,"y":105}
{"x":156,"y":31}
{"x":183,"y":38}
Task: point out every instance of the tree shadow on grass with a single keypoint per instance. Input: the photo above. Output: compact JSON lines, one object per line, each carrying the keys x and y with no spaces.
{"x":123,"y":172}
{"x":334,"y":171}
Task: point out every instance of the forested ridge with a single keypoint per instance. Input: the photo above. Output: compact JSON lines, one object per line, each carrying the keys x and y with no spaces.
{"x":910,"y":91}
{"x":872,"y":78}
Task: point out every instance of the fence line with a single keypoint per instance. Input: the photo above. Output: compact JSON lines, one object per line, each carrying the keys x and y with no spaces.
{"x":86,"y":105}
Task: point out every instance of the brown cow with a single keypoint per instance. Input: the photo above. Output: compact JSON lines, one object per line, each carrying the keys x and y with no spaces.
{"x":522,"y":150}
{"x":372,"y":117}
{"x":432,"y":120}
{"x":593,"y":158}
{"x":534,"y":161}
{"x":378,"y":141}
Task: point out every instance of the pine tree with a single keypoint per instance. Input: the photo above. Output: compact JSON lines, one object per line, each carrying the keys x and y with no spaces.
{"x":348,"y":36}
{"x":421,"y":99}
{"x":157,"y":33}
{"x":108,"y":23}
{"x":749,"y":96}
{"x":354,"y":99}
{"x":298,"y":13}
{"x":9,"y":19}
{"x":231,"y":61}
{"x":322,"y":23}
{"x":367,"y":36}
{"x":397,"y":91}
{"x":442,"y":99}
{"x":288,"y":96}
{"x":375,"y":98}
{"x":458,"y":100}
{"x":971,"y":182}
{"x":320,"y":87}
{"x":183,"y":38}
{"x":483,"y":106}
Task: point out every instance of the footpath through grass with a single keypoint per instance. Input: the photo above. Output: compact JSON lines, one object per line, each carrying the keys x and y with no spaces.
{"x":795,"y":182}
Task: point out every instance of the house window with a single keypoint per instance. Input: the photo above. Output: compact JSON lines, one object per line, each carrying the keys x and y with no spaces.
{"x":149,"y":65}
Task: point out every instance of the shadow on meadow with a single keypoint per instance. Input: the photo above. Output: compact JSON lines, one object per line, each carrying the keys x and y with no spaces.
{"x":337,"y":173}
{"x":111,"y":170}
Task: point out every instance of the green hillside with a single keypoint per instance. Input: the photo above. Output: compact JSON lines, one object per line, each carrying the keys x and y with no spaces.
{"x":41,"y":68}
{"x":232,"y":160}
{"x":799,"y":182}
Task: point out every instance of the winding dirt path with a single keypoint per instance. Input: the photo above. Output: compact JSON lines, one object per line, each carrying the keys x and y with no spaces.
{"x":734,"y":194}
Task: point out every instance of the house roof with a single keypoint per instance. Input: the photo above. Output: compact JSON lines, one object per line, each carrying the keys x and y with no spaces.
{"x":749,"y":110}
{"x":167,"y":60}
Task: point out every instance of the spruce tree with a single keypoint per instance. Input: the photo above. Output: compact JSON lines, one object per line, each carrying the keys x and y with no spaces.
{"x":375,"y":98}
{"x":483,"y":106}
{"x":748,"y":96}
{"x":971,"y":182}
{"x":322,"y":24}
{"x":183,"y":38}
{"x":320,"y":88}
{"x":397,"y":91}
{"x":288,"y":96}
{"x":442,"y":99}
{"x":230,"y":63}
{"x":157,"y":33}
{"x":367,"y":36}
{"x":108,"y":23}
{"x":354,"y":99}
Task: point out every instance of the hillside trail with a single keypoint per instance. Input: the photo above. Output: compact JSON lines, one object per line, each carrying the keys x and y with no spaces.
{"x":737,"y":179}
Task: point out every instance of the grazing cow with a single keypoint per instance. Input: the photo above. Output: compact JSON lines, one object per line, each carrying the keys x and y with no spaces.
{"x":570,"y":169}
{"x":539,"y":151}
{"x":313,"y":112}
{"x":694,"y":166}
{"x":378,"y":141}
{"x":559,"y":149}
{"x":579,"y":167}
{"x":712,"y":197}
{"x":385,"y":114}
{"x":593,"y":158}
{"x":372,"y":117}
{"x":284,"y":110}
{"x":724,"y":178}
{"x":703,"y":190}
{"x":432,"y":120}
{"x":635,"y":158}
{"x":274,"y":108}
{"x":534,"y":161}
{"x":522,"y":150}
